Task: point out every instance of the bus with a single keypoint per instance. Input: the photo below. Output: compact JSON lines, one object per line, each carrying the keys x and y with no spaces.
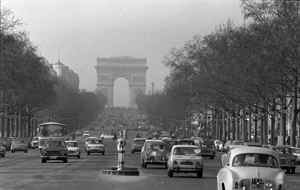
{"x":51,"y":130}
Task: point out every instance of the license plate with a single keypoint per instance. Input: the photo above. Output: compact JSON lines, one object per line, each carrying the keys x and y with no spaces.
{"x":53,"y":157}
{"x":186,"y":163}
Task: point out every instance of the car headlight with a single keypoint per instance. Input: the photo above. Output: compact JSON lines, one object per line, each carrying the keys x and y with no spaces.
{"x":270,"y":184}
{"x":175,"y":162}
{"x":198,"y":163}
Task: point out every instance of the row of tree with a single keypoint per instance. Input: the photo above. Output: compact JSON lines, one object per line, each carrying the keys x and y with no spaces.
{"x":29,"y":86}
{"x":237,"y":70}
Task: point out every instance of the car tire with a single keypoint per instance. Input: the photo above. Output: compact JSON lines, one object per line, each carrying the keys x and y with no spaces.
{"x":103,"y":153}
{"x":212,"y":157}
{"x":78,"y":156}
{"x":170,"y":173}
{"x":3,"y":155}
{"x":200,"y":174}
{"x":88,"y":153}
{"x":26,"y":151}
{"x":12,"y":151}
{"x":293,"y":170}
{"x":65,"y":160}
{"x":43,"y":160}
{"x":145,"y":165}
{"x":288,"y":170}
{"x":132,"y":152}
{"x":166,"y":166}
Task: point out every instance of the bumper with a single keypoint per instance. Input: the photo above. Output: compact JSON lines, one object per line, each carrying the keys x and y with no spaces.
{"x":186,"y":168}
{"x":96,"y":150}
{"x":70,"y":154}
{"x":54,"y":157}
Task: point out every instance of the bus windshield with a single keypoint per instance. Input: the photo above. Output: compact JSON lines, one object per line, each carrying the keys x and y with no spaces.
{"x":52,"y":130}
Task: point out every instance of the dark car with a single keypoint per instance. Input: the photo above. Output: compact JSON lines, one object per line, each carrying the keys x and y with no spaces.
{"x":2,"y":150}
{"x":54,"y":150}
{"x":288,"y":161}
{"x":208,"y":149}
{"x":19,"y":145}
{"x":6,"y":142}
{"x":137,"y":145}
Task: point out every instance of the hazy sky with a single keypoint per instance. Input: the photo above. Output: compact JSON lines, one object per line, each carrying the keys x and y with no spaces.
{"x":82,"y":30}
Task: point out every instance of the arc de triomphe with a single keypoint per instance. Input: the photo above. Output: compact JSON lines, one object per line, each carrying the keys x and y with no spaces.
{"x":132,"y":69}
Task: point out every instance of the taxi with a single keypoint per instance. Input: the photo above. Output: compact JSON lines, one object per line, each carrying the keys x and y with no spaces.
{"x":251,"y":168}
{"x":185,"y":159}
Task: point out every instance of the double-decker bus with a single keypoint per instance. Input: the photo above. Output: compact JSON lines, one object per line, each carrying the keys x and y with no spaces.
{"x":51,"y":130}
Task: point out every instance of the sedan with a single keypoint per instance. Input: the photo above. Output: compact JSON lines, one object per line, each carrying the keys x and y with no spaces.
{"x":95,"y":146}
{"x":19,"y":145}
{"x":185,"y":159}
{"x":73,"y":149}
{"x":251,"y":168}
{"x":54,"y":150}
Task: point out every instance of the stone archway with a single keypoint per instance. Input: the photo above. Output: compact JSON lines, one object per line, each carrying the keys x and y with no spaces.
{"x":132,"y":69}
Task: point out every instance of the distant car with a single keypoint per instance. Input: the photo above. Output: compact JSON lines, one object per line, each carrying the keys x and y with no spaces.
{"x":73,"y":149}
{"x":288,"y":161}
{"x":78,"y":133}
{"x":251,"y":168}
{"x":185,"y":159}
{"x":35,"y":142}
{"x":208,"y":149}
{"x":154,"y":152}
{"x":95,"y":146}
{"x":54,"y":150}
{"x":87,"y":141}
{"x":6,"y":142}
{"x":137,"y":144}
{"x":296,"y":153}
{"x":106,"y":136}
{"x":2,"y":150}
{"x":85,"y":134}
{"x":19,"y":145}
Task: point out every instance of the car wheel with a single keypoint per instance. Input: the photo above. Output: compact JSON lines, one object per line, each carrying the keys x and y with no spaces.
{"x":65,"y":160}
{"x":43,"y":160}
{"x":132,"y":152}
{"x":293,"y":170}
{"x":288,"y":170}
{"x":166,"y":166}
{"x":103,"y":153}
{"x":200,"y":174}
{"x":3,"y":155}
{"x":26,"y":151}
{"x":170,"y":173}
{"x":212,"y":157}
{"x":78,"y":156}
{"x":12,"y":151}
{"x":145,"y":165}
{"x":88,"y":153}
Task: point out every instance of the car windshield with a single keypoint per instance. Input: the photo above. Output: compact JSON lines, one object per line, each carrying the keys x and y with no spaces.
{"x":188,"y":151}
{"x":284,"y":150}
{"x":156,"y":147}
{"x":256,"y":160}
{"x":93,"y":141}
{"x":139,"y":142}
{"x":55,"y":144}
{"x":72,"y":144}
{"x":207,"y":144}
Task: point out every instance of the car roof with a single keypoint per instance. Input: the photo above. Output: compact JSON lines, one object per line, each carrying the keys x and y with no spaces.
{"x":185,"y":145}
{"x":71,"y":141}
{"x":135,"y":139}
{"x":252,"y":150}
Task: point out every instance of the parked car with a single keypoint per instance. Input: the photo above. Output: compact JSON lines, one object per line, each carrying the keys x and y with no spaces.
{"x":137,"y":144}
{"x":251,"y":168}
{"x":288,"y":161}
{"x":185,"y":159}
{"x":54,"y":150}
{"x":73,"y":149}
{"x":154,"y":152}
{"x":208,"y":149}
{"x":35,"y":142}
{"x":2,"y":150}
{"x":19,"y":145}
{"x":296,"y":153}
{"x":85,"y":134}
{"x":95,"y":146}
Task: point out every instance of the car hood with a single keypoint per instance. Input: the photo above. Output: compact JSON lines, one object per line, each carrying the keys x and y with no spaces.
{"x":255,"y":172}
{"x":54,"y":148}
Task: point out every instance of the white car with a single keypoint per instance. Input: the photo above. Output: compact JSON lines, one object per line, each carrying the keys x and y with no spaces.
{"x":251,"y":168}
{"x":73,"y":149}
{"x":106,"y":136}
{"x":35,"y":142}
{"x":95,"y":146}
{"x":185,"y":159}
{"x":87,"y":141}
{"x":85,"y":134}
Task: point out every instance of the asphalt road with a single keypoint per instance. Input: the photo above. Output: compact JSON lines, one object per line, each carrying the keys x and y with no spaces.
{"x":25,"y":171}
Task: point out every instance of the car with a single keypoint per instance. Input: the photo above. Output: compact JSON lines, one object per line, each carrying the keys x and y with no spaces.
{"x":154,"y":152}
{"x":185,"y":159}
{"x":73,"y":149}
{"x":237,"y":142}
{"x":208,"y":149}
{"x":255,"y":144}
{"x":78,"y":133}
{"x":185,"y":141}
{"x":35,"y":142}
{"x":95,"y":146}
{"x":87,"y":141}
{"x":85,"y":134}
{"x":54,"y":149}
{"x":2,"y":150}
{"x":6,"y":141}
{"x":288,"y":161}
{"x":19,"y":145}
{"x":219,"y":145}
{"x":137,"y":144}
{"x":251,"y":168}
{"x":296,"y":153}
{"x":106,"y":136}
